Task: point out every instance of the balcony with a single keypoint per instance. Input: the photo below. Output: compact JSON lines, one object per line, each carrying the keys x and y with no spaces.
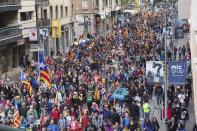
{"x":10,"y":34}
{"x":44,"y":22}
{"x":42,"y":3}
{"x":9,"y":5}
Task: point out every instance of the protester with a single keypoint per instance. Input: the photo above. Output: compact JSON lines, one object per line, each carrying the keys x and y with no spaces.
{"x":79,"y":89}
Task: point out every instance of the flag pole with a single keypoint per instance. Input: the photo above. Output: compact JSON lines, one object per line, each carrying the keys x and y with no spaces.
{"x":39,"y":86}
{"x":39,"y":66}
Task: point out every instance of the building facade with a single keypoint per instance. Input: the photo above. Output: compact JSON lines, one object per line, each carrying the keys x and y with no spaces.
{"x":27,"y":21}
{"x":193,"y":46}
{"x":62,"y":10}
{"x":84,"y":16}
{"x":21,"y":19}
{"x":95,"y":16}
{"x":10,"y":34}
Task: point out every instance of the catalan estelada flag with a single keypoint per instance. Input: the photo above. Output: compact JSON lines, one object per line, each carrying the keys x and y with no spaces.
{"x":28,"y":86}
{"x":16,"y":120}
{"x":71,"y":55}
{"x":44,"y":75}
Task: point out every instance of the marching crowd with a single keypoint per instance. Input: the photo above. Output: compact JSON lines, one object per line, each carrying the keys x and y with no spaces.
{"x":83,"y":80}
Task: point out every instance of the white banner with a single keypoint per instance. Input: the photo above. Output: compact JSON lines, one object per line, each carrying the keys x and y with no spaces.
{"x":154,"y":72}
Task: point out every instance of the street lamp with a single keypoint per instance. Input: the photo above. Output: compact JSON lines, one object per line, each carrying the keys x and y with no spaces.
{"x":166,"y":78}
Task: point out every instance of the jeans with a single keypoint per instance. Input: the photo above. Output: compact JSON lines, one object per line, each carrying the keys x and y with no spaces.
{"x":146,"y":115}
{"x":159,"y":99}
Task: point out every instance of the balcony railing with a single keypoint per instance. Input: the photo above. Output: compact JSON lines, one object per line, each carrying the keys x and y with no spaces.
{"x":6,"y":5}
{"x":42,"y":2}
{"x":43,"y":22}
{"x":9,"y":2}
{"x":10,"y":32}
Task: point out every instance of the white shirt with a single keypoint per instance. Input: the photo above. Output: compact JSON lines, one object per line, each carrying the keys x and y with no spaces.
{"x":181,"y":98}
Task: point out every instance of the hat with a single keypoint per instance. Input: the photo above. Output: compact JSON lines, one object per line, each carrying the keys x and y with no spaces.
{"x":17,"y":97}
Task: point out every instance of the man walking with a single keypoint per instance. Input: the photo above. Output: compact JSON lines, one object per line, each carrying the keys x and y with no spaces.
{"x":158,"y":94}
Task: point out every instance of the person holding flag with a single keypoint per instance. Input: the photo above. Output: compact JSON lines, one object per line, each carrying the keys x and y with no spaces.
{"x":16,"y":119}
{"x":44,"y":75}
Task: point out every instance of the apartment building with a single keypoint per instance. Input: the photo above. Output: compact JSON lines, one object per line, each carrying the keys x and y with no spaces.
{"x":62,"y":10}
{"x":106,"y":14}
{"x":84,"y":14}
{"x":193,"y":46}
{"x":184,"y":9}
{"x":95,"y":16}
{"x":27,"y":21}
{"x":10,"y":34}
{"x":43,"y":22}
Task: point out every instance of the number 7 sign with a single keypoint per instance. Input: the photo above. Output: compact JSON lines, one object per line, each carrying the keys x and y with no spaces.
{"x":44,"y":33}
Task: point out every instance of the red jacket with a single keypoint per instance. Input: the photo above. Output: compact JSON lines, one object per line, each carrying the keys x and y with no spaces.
{"x":84,"y":122}
{"x":169,"y":113}
{"x":74,"y":126}
{"x":55,"y":114}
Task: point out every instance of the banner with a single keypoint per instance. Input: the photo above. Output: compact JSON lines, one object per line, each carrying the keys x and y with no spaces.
{"x":43,"y":33}
{"x":154,"y":72}
{"x":136,"y":3}
{"x":177,"y":72}
{"x":56,"y":29}
{"x":179,"y":33}
{"x":33,"y":35}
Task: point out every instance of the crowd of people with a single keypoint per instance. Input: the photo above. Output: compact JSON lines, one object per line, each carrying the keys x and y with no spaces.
{"x":83,"y":80}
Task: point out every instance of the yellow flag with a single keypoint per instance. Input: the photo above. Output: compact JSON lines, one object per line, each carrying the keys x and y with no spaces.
{"x":56,"y":29}
{"x":136,"y":2}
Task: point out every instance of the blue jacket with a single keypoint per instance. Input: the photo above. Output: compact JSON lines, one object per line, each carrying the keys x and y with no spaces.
{"x":147,"y":127}
{"x":53,"y":128}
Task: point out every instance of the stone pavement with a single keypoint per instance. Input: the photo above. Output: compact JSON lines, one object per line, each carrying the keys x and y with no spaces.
{"x":156,"y":112}
{"x":191,"y":121}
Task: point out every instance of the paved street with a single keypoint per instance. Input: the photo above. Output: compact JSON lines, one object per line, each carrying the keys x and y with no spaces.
{"x":80,"y":63}
{"x":157,"y":113}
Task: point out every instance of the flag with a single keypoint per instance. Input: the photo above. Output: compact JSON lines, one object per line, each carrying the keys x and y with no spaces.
{"x":28,"y":86}
{"x":44,"y":75}
{"x":56,"y":28}
{"x":16,"y":120}
{"x":23,"y":75}
{"x":71,"y":55}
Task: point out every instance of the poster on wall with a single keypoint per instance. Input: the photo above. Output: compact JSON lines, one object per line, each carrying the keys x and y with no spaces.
{"x":154,"y":72}
{"x":44,"y":33}
{"x":33,"y":36}
{"x":56,"y":29}
{"x":177,"y":72}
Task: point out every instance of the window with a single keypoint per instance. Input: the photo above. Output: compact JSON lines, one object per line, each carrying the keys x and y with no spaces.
{"x":66,"y":11}
{"x":51,"y":12}
{"x":117,"y":2}
{"x":45,"y":13}
{"x":56,"y":11}
{"x":106,"y":2}
{"x":72,"y":9}
{"x":26,"y":15}
{"x":97,"y":3}
{"x":61,"y":11}
{"x":85,"y":4}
